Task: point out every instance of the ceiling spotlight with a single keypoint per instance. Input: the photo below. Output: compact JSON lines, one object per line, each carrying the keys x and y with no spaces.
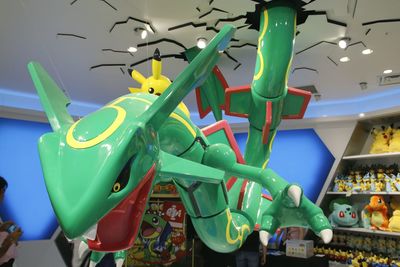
{"x":361,"y":115}
{"x":148,"y":28}
{"x":363,"y":85}
{"x":344,"y":42}
{"x":132,"y":49}
{"x":387,"y":71}
{"x":317,"y":97}
{"x":201,"y":43}
{"x":344,"y":59}
{"x":142,"y":32}
{"x":367,"y":51}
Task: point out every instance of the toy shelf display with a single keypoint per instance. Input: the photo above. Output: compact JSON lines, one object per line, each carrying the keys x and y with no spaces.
{"x":362,"y":197}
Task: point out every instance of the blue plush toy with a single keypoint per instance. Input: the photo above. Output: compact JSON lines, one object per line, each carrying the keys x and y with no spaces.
{"x":343,"y":215}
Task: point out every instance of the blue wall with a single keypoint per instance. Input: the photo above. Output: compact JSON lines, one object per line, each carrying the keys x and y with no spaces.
{"x":26,"y":201}
{"x":300,"y":157}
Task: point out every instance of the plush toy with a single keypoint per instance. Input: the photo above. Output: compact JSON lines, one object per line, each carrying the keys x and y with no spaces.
{"x":397,"y":182}
{"x":381,"y":140}
{"x":358,"y":180}
{"x":377,"y":211}
{"x":338,"y":184}
{"x":343,"y":215}
{"x":394,"y":143}
{"x":394,"y":222}
{"x":381,"y":245}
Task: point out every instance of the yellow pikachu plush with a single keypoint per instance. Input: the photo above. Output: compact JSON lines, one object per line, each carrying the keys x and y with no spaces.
{"x":156,"y":83}
{"x":381,"y":140}
{"x":394,"y":221}
{"x":394,"y":143}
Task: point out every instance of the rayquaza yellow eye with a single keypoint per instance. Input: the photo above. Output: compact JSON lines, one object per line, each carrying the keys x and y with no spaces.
{"x":116,"y":187}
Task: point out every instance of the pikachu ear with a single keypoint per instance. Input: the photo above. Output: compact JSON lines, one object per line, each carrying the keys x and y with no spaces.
{"x":156,"y":64}
{"x":135,"y":90}
{"x":137,"y":76}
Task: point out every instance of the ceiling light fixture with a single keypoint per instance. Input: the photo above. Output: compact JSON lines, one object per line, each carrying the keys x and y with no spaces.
{"x":317,"y":97}
{"x":367,"y":51}
{"x":148,"y":28}
{"x":344,"y":59}
{"x":201,"y":42}
{"x":142,"y":32}
{"x":387,"y":71}
{"x":361,"y":115}
{"x":132,"y":49}
{"x":363,"y":85}
{"x":344,"y":42}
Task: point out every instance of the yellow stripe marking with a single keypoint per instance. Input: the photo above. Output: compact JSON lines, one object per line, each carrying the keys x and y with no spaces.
{"x":259,"y":54}
{"x":184,"y":122}
{"x":241,"y":229}
{"x":269,"y":150}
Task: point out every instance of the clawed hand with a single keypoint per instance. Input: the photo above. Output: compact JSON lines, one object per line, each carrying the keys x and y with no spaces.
{"x":291,"y":208}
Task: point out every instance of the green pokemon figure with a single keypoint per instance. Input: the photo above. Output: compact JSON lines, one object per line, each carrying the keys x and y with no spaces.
{"x":343,"y":215}
{"x":99,"y":170}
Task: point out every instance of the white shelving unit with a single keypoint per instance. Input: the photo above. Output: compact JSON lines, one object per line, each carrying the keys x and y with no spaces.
{"x":363,"y":193}
{"x":357,"y":154}
{"x":372,"y":156}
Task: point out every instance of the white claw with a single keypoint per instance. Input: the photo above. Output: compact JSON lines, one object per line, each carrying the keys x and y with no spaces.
{"x":92,"y":264}
{"x":294,"y":192}
{"x":91,"y":233}
{"x":83,"y":247}
{"x":264,"y":237}
{"x":119,"y":262}
{"x":326,"y":235}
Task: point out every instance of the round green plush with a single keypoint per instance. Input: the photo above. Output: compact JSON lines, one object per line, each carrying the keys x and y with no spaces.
{"x":340,"y":200}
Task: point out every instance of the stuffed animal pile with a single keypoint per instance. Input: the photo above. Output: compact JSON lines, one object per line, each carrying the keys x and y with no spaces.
{"x":386,"y":139}
{"x":374,"y":178}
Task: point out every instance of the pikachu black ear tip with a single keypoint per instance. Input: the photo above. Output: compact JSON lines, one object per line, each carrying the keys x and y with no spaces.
{"x":157,"y":55}
{"x":130,"y":71}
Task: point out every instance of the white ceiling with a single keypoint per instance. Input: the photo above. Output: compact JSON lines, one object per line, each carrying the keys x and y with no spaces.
{"x":29,"y":31}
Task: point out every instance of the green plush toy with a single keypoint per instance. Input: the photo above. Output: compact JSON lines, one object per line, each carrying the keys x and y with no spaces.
{"x":343,"y":215}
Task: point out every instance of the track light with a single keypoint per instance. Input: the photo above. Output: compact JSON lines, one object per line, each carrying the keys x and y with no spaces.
{"x":387,"y":71}
{"x":367,"y":51}
{"x":132,"y":49}
{"x":201,"y":42}
{"x":142,"y":32}
{"x":344,"y":59}
{"x":344,"y":42}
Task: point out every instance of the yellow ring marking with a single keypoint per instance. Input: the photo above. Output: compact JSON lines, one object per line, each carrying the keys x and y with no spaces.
{"x":184,"y":122}
{"x":121,"y":114}
{"x":240,"y":230}
{"x":72,"y":142}
{"x":259,"y":54}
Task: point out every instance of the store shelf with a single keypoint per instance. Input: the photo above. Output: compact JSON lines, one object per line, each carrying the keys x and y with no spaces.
{"x":366,"y":231}
{"x":363,"y":193}
{"x":372,"y":156}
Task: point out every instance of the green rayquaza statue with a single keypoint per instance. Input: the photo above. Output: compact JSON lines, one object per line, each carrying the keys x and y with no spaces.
{"x":100,"y":170}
